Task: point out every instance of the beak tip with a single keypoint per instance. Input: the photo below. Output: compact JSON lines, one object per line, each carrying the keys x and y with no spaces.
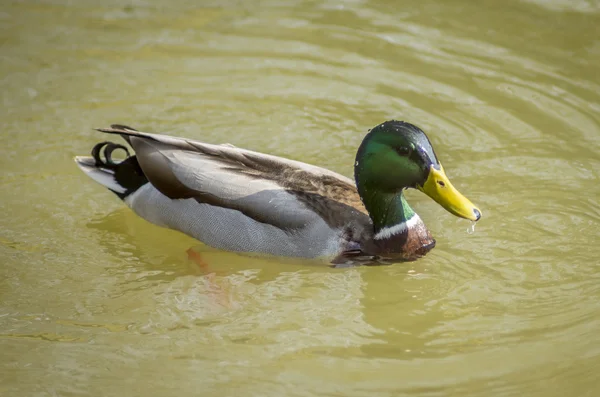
{"x":477,"y":214}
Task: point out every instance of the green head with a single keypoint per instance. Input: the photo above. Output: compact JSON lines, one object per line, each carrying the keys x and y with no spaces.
{"x":394,"y":156}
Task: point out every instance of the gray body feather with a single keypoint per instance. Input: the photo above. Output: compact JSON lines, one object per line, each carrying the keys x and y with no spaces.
{"x":229,"y":229}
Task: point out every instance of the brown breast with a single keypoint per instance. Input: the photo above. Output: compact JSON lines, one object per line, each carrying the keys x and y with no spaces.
{"x":407,"y":245}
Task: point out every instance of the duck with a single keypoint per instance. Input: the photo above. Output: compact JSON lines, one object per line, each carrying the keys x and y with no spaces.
{"x":253,"y":203}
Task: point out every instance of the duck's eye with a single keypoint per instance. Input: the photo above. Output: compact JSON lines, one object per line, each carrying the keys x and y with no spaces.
{"x":404,"y":150}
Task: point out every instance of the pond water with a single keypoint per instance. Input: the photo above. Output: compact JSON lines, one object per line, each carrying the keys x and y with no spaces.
{"x":96,"y":301}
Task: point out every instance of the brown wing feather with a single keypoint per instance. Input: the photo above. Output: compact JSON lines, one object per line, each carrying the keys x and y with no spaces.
{"x":292,"y":175}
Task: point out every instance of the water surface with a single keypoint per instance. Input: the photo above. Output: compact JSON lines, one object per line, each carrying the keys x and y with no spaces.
{"x":96,"y":301}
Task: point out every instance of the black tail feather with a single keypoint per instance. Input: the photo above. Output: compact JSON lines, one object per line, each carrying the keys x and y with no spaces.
{"x":109,"y":148}
{"x":126,"y":173}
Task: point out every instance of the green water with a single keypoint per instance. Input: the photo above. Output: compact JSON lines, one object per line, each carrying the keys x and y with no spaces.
{"x":95,"y":301}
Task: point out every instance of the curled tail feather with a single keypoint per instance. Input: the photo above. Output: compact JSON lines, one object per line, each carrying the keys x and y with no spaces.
{"x":120,"y":177}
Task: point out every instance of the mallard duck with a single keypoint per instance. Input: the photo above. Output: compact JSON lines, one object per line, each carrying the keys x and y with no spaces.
{"x":244,"y":201}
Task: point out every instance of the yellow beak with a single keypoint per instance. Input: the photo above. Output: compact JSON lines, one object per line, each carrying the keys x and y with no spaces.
{"x":439,"y":188}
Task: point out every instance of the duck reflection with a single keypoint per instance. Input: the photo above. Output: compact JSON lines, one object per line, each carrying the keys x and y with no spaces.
{"x":364,"y":308}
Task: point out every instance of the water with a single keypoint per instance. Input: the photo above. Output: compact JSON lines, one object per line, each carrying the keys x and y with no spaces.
{"x":471,"y":228}
{"x":97,"y":302}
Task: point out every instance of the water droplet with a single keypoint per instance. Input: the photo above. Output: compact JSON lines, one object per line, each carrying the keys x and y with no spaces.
{"x":471,"y":229}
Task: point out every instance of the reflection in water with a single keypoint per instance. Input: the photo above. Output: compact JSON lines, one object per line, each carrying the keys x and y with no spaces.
{"x":95,"y":298}
{"x":202,"y":281}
